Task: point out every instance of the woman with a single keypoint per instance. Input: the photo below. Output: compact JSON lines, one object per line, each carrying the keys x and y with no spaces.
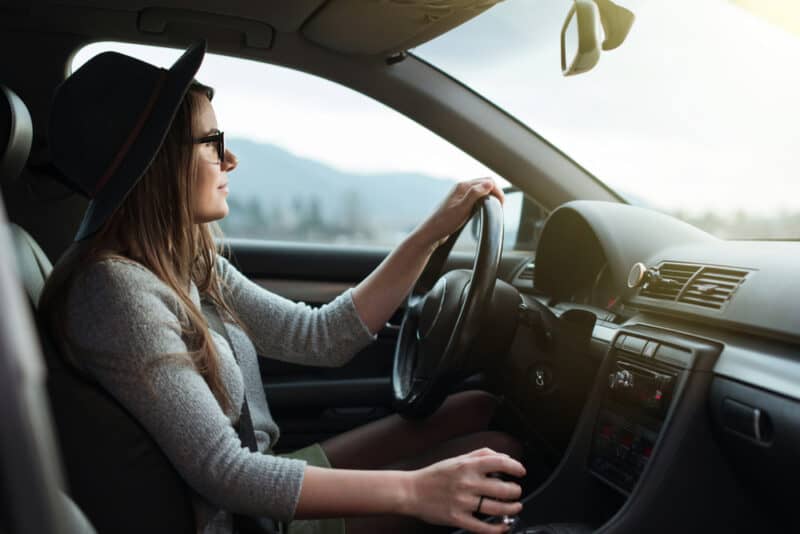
{"x":143,"y":143}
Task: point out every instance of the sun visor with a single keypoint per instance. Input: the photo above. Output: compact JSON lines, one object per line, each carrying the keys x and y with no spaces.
{"x":385,"y":27}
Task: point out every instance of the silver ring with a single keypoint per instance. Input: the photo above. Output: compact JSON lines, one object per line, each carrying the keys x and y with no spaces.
{"x":480,"y":502}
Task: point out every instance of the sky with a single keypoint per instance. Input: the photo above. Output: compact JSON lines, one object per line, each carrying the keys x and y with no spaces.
{"x":696,"y":111}
{"x":312,"y":117}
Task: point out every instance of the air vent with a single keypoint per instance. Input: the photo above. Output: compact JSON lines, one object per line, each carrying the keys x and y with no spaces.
{"x":674,"y":279}
{"x":527,"y":272}
{"x":713,"y":287}
{"x":526,"y":275}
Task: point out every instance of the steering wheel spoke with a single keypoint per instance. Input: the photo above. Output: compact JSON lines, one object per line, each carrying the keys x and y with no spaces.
{"x":414,"y":305}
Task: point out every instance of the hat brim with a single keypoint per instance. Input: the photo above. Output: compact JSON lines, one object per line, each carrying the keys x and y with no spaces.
{"x":144,"y":148}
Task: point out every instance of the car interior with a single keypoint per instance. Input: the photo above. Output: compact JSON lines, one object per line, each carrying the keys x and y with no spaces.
{"x":650,"y":369}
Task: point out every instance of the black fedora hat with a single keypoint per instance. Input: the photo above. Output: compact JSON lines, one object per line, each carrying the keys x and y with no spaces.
{"x":108,"y":121}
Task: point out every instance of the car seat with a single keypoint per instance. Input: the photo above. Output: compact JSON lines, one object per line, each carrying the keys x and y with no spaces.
{"x":115,"y":471}
{"x":30,"y":474}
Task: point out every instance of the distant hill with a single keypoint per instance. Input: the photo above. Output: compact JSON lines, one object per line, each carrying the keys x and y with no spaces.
{"x":275,"y":194}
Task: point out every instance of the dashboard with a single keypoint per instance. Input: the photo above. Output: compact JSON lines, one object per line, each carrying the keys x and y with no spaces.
{"x":587,"y":250}
{"x":693,"y":366}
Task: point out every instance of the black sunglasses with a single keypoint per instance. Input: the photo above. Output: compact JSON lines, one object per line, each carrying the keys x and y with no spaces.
{"x":219,"y":139}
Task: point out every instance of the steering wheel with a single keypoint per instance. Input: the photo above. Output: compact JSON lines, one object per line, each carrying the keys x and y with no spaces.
{"x":443,"y":317}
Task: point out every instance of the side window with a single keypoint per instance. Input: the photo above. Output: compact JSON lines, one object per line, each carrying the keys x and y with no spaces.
{"x":318,"y":162}
{"x":523,"y":220}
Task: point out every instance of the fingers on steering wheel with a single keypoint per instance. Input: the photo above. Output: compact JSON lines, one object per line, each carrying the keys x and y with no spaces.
{"x":498,"y":192}
{"x":481,"y":188}
{"x":494,"y":190}
{"x":466,"y":185}
{"x":478,"y":190}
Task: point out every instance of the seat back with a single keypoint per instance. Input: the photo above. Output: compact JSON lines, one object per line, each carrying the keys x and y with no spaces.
{"x":30,"y":474}
{"x":115,"y":471}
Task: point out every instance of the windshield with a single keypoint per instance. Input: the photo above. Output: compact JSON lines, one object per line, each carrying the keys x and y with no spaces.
{"x":696,"y":114}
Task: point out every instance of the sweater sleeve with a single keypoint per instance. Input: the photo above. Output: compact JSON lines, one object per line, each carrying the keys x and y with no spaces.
{"x":124,"y":327}
{"x":328,"y":336}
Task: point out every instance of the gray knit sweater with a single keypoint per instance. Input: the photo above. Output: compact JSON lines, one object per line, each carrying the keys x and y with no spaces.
{"x":125,"y":322}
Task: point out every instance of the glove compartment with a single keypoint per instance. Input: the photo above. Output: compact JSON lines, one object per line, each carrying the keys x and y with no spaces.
{"x":759,"y":432}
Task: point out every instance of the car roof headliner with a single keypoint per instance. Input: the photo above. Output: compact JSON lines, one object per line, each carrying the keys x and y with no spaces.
{"x":360,"y":27}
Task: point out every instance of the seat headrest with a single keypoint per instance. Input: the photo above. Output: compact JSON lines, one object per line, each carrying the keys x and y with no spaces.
{"x":16,"y":135}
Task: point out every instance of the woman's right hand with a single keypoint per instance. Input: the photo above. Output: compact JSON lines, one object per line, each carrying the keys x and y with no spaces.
{"x":448,"y":492}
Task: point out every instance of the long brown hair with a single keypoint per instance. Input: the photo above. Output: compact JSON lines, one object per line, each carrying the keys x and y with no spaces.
{"x":154,"y":226}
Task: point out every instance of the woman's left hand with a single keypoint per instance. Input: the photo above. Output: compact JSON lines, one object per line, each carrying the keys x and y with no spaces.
{"x":455,"y":210}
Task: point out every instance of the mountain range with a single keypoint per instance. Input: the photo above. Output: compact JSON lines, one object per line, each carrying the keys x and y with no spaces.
{"x":277,"y":183}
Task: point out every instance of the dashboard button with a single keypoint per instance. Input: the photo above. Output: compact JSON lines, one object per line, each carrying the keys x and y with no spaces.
{"x":674,"y":356}
{"x":650,"y":349}
{"x":633,"y":344}
{"x":621,"y":380}
{"x":620,"y":341}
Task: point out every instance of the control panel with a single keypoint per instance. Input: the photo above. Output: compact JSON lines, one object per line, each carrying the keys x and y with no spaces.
{"x":645,"y":390}
{"x":639,"y":393}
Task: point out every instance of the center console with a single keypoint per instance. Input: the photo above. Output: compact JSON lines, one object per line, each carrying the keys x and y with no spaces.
{"x":640,"y":390}
{"x":629,"y":452}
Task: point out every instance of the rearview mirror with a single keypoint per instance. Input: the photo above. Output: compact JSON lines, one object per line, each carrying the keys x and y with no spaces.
{"x":580,"y":48}
{"x":616,"y":21}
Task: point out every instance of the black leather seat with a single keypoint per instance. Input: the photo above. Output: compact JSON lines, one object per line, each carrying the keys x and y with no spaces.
{"x":115,"y":471}
{"x":43,"y":504}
